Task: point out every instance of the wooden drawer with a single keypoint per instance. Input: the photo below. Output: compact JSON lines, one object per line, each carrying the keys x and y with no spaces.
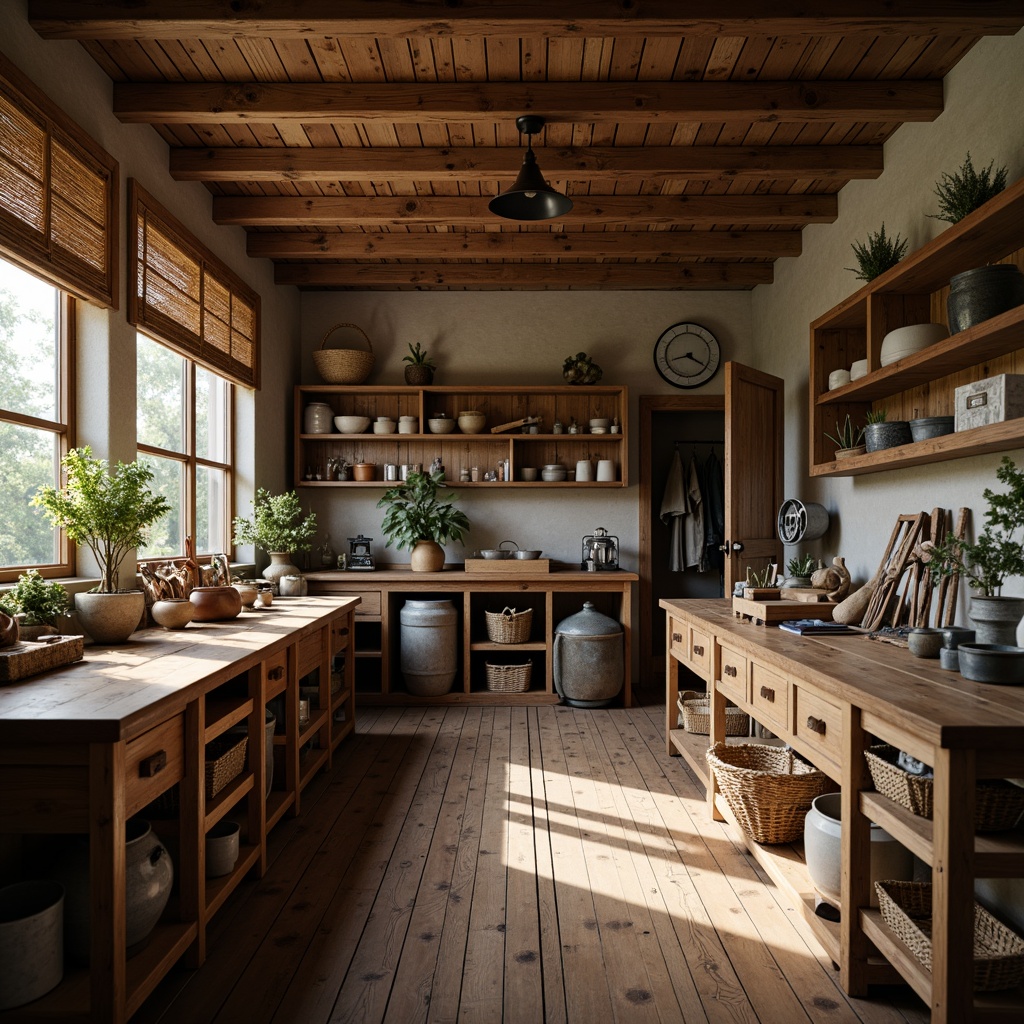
{"x":276,"y":668}
{"x":732,"y":679}
{"x":311,"y":650}
{"x":154,"y":761}
{"x":818,"y":724}
{"x":769,"y":696}
{"x":678,"y":640}
{"x":698,"y":656}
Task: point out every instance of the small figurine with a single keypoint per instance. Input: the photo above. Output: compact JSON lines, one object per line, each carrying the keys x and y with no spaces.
{"x":557,"y":428}
{"x":436,"y":467}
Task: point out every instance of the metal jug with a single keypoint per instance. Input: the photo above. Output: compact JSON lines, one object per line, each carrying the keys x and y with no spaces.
{"x":588,"y":658}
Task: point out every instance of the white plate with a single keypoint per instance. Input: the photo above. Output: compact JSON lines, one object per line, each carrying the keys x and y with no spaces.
{"x":859,"y":369}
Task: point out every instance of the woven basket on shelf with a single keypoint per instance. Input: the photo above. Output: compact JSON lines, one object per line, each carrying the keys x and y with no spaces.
{"x":343,"y":365}
{"x":695,"y":716}
{"x":225,"y":761}
{"x":998,"y":804}
{"x":509,"y":626}
{"x":768,"y":789}
{"x":508,"y":678}
{"x":906,"y":907}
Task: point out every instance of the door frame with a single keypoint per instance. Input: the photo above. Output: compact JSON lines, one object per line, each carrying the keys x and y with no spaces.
{"x":650,"y":405}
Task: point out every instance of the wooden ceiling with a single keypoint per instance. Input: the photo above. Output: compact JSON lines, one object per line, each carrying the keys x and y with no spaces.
{"x":360,"y":142}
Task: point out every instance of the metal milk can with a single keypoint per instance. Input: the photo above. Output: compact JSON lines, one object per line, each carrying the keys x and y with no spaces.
{"x":588,"y":658}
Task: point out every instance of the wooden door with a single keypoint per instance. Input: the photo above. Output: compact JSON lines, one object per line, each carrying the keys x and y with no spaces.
{"x":754,"y":421}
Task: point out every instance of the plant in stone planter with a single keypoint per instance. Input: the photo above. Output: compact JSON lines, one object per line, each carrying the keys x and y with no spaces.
{"x":418,"y":519}
{"x":848,"y":439}
{"x":37,"y":604}
{"x":877,"y":254}
{"x":109,"y":513}
{"x":799,"y":569}
{"x":421,"y":367}
{"x":997,"y":554}
{"x":881,"y":433}
{"x":276,"y":528}
{"x":966,"y":189}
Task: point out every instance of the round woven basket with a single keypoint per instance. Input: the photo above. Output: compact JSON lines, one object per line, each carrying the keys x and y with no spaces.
{"x":344,"y":365}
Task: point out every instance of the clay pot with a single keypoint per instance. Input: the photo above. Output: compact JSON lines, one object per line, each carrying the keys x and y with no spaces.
{"x":8,"y":630}
{"x":363,"y":471}
{"x":247,"y":592}
{"x":214,"y":604}
{"x":426,"y":556}
{"x":172,"y":613}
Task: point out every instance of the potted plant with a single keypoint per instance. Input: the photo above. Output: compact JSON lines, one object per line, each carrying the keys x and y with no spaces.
{"x":881,"y":433}
{"x":36,"y":603}
{"x":798,"y":571}
{"x":416,"y":518}
{"x":581,"y":369}
{"x":997,"y":554}
{"x":878,"y":254}
{"x":848,"y":439}
{"x":276,"y":528}
{"x":963,"y":191}
{"x":109,"y":513}
{"x":421,"y":367}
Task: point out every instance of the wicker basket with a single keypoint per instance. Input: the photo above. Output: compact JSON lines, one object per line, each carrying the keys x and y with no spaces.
{"x":509,"y":626}
{"x":906,"y":907}
{"x":225,"y":760}
{"x":768,"y":789}
{"x":695,"y":717}
{"x":508,"y":678}
{"x":343,"y":365}
{"x":998,"y":804}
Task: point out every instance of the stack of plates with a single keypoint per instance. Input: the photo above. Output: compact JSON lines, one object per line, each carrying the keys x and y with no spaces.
{"x":905,"y":341}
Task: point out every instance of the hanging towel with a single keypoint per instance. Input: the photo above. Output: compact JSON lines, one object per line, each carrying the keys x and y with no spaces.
{"x":675,"y":507}
{"x":693,"y":525}
{"x":714,"y":512}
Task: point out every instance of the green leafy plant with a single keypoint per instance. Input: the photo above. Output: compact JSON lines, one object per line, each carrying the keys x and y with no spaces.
{"x":802,"y":565}
{"x":846,"y":435}
{"x":418,"y":357}
{"x":999,"y":549}
{"x":878,"y":254}
{"x":40,"y":603}
{"x":107,"y":512}
{"x":415,"y":512}
{"x":581,"y":369}
{"x":762,"y":578}
{"x":876,"y":416}
{"x":275,"y":524}
{"x":966,"y":189}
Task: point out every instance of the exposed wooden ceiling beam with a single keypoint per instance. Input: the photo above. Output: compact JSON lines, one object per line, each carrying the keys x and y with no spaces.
{"x":365,"y":211}
{"x":601,"y":163}
{"x":435,"y":245}
{"x":225,"y":19}
{"x":496,"y":277}
{"x":487,"y":103}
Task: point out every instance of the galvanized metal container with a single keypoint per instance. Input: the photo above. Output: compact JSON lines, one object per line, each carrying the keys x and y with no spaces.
{"x":588,"y":658}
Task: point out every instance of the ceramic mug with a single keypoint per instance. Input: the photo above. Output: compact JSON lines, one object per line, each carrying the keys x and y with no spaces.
{"x":584,"y":471}
{"x":605,"y":470}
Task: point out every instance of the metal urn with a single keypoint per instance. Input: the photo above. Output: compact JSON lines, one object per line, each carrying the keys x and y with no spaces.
{"x":600,"y":551}
{"x":588,"y":658}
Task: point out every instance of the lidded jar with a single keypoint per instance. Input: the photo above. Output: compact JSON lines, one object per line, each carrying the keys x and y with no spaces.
{"x":588,"y":658}
{"x":318,"y":418}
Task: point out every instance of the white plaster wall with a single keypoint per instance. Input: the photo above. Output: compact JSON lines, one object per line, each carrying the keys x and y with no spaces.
{"x":520,"y":338}
{"x":983,"y":114}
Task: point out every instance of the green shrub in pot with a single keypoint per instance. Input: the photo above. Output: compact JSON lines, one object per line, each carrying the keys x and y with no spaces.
{"x":963,"y":191}
{"x":35,"y":601}
{"x":416,"y":518}
{"x":877,"y":254}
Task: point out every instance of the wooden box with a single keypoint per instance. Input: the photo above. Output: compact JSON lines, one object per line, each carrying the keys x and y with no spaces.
{"x":28,"y":658}
{"x":992,"y":400}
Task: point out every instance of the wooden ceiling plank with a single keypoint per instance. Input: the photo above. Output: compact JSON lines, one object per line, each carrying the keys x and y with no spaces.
{"x":328,"y":59}
{"x":78,"y":19}
{"x":483,"y":164}
{"x":697,"y":211}
{"x":522,"y":244}
{"x":526,"y":275}
{"x":194,"y":103}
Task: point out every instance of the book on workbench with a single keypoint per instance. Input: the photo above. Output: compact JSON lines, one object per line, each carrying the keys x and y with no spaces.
{"x":815,"y":627}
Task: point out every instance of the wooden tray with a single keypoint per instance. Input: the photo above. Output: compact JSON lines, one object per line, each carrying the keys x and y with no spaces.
{"x":509,"y":566}
{"x":28,"y":658}
{"x":770,"y":612}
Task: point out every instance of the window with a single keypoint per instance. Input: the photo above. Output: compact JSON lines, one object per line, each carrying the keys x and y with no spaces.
{"x":35,"y":353}
{"x":184,"y":434}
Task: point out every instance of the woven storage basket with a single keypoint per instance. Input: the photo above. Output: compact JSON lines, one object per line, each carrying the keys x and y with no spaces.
{"x":509,"y":626}
{"x":906,"y":907}
{"x":225,"y":760}
{"x":998,"y":804}
{"x":768,"y":789}
{"x":695,"y":716}
{"x":508,"y":678}
{"x":343,"y":365}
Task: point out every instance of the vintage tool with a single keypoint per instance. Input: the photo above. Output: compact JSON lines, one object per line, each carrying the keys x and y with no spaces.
{"x":600,"y":551}
{"x":525,"y":421}
{"x":886,"y":602}
{"x":360,"y":554}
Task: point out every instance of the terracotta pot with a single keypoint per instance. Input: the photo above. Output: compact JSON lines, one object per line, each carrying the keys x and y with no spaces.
{"x":363,"y":471}
{"x":215,"y":604}
{"x":247,"y":592}
{"x":427,"y":556}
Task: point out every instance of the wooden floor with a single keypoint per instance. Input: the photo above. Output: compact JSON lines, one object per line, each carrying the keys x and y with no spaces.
{"x":517,"y":865}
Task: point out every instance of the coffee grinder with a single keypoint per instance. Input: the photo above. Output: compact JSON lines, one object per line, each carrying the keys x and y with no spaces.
{"x":360,"y":557}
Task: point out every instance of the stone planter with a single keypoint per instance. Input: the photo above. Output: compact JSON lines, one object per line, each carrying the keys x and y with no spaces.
{"x":979,"y":294}
{"x":995,"y":619}
{"x":888,"y":434}
{"x":110,"y":618}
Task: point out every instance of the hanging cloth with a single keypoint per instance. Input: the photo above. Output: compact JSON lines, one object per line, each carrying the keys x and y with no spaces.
{"x":714,"y":512}
{"x":693,"y":526}
{"x":675,"y":508}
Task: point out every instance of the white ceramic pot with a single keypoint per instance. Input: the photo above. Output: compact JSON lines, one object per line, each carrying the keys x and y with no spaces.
{"x":584,"y":471}
{"x":823,"y":830}
{"x":293,"y":586}
{"x":31,"y":941}
{"x":222,"y":848}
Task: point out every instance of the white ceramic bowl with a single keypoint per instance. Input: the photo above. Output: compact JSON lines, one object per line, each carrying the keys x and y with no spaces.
{"x":905,"y":341}
{"x":351,"y":424}
{"x":601,"y":422}
{"x":859,"y":369}
{"x":385,"y":427}
{"x":837,"y":378}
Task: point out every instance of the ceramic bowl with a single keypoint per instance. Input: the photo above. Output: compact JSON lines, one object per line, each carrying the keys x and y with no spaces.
{"x":905,"y":341}
{"x":471,"y":421}
{"x":526,"y":555}
{"x":441,"y":424}
{"x":992,"y":663}
{"x":172,"y":613}
{"x":351,"y":424}
{"x":247,"y":591}
{"x":925,"y":643}
{"x":838,"y":378}
{"x":600,"y":422}
{"x":551,"y":476}
{"x":931,"y":426}
{"x":528,"y":473}
{"x":494,"y":554}
{"x":385,"y":427}
{"x":214,"y":604}
{"x":858,"y":369}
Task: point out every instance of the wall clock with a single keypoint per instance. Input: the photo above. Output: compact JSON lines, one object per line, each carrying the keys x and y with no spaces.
{"x":687,"y":355}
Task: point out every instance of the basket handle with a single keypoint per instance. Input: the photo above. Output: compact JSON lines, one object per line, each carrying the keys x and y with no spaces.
{"x":354,"y":327}
{"x":508,"y":613}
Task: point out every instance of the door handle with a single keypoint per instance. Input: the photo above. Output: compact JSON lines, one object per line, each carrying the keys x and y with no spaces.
{"x":677,"y":638}
{"x":735,"y":546}
{"x":816,"y":725}
{"x":768,"y":693}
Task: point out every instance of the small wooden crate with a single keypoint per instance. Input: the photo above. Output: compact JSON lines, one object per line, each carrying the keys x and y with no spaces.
{"x":26,"y":658}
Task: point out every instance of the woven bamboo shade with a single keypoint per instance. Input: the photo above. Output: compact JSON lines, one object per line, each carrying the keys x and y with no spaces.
{"x":187,"y":298}
{"x":58,"y":194}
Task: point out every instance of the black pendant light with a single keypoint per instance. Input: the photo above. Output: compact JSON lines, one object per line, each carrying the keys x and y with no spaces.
{"x":530,"y":197}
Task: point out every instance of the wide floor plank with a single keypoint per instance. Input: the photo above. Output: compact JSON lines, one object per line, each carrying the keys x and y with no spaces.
{"x":522,"y":865}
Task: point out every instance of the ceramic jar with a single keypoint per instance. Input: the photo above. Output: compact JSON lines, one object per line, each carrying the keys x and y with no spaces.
{"x":31,"y":941}
{"x":280,"y":565}
{"x":172,"y":613}
{"x":429,"y":646}
{"x":293,"y":586}
{"x":214,"y":604}
{"x":222,"y":848}
{"x":318,"y":418}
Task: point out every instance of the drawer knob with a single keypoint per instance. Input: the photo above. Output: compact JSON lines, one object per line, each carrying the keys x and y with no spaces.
{"x":276,"y":673}
{"x":768,"y":693}
{"x":677,"y":638}
{"x":729,"y":670}
{"x":816,"y":725}
{"x":698,"y":650}
{"x":153,"y":765}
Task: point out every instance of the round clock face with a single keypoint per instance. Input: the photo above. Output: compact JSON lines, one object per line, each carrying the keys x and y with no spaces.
{"x":687,"y":355}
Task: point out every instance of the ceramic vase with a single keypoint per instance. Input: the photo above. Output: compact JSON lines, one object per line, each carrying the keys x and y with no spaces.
{"x":280,"y":565}
{"x":995,"y":619}
{"x":429,"y":643}
{"x":426,"y":556}
{"x":172,"y":613}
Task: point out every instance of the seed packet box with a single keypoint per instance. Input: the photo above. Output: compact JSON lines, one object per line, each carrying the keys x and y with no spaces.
{"x":991,"y":400}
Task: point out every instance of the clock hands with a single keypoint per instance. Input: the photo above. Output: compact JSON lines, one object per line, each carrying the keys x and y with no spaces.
{"x":686,"y":355}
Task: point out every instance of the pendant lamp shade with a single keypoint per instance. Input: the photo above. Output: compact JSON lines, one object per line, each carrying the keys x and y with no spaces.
{"x":530,"y":197}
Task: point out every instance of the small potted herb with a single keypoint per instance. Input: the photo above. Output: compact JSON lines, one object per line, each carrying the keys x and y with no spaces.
{"x":878,"y":254}
{"x":881,"y":433}
{"x":36,"y":604}
{"x":420,"y":370}
{"x":761,"y":584}
{"x":798,"y":571}
{"x":848,"y":439}
{"x":418,"y":519}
